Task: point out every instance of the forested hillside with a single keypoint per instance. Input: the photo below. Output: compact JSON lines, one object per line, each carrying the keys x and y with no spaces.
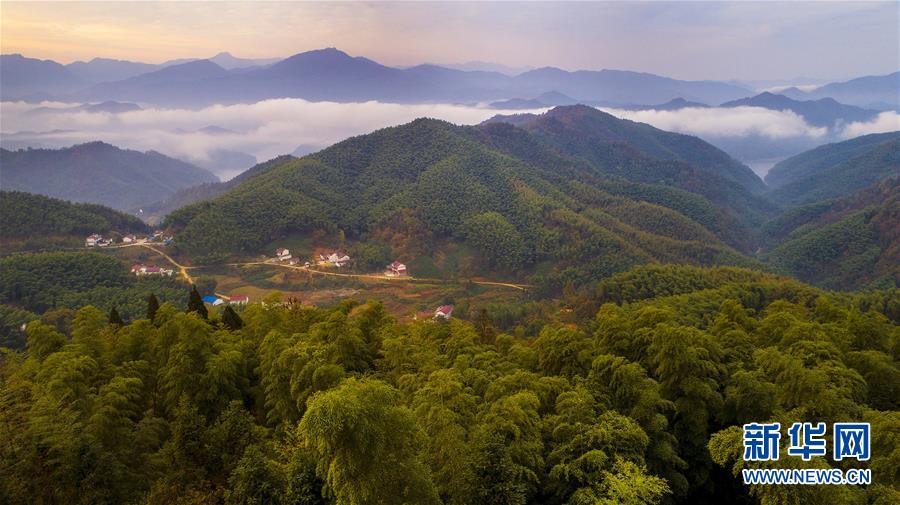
{"x":581,"y":130}
{"x":815,"y":160}
{"x":33,"y":284}
{"x":610,"y":147}
{"x":156,"y":211}
{"x":515,"y":199}
{"x":641,"y":402}
{"x":36,"y":221}
{"x":835,"y":170}
{"x":842,"y":244}
{"x":100,"y":173}
{"x":619,"y":167}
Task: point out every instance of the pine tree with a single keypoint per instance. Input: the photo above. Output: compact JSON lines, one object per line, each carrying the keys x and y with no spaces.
{"x":231,"y":319}
{"x":485,"y":328}
{"x":114,"y":317}
{"x":152,"y":307}
{"x":195,"y":304}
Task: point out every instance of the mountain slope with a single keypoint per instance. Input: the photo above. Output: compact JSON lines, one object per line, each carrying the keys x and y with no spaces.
{"x":638,"y":152}
{"x":154,"y":212}
{"x":98,"y":173}
{"x":836,"y":170}
{"x":821,"y":158}
{"x":182,"y":84}
{"x":432,"y":182}
{"x":579,"y":128}
{"x":823,"y":112}
{"x":623,"y":170}
{"x":843,"y":244}
{"x":31,"y":221}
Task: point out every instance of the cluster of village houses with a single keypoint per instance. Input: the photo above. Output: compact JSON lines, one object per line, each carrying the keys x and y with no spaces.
{"x":141,"y":269}
{"x":328,"y":258}
{"x":97,"y":240}
{"x":215,"y":301}
{"x":336,"y":259}
{"x":340,"y":259}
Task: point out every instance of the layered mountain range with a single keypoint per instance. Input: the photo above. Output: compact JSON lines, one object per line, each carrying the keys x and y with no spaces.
{"x":330,"y":74}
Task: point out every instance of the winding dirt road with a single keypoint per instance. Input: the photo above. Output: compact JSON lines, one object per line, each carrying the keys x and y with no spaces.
{"x":183,"y":271}
{"x":385,"y":278}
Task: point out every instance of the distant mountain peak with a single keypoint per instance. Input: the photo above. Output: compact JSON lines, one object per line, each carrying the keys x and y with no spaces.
{"x":326,"y":51}
{"x":576,"y":110}
{"x":94,"y":145}
{"x":822,"y":112}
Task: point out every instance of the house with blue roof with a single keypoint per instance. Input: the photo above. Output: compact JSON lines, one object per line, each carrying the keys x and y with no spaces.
{"x":212,"y":300}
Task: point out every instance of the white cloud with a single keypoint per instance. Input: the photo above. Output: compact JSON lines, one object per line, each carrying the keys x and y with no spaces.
{"x":726,"y":122}
{"x":263,"y":129}
{"x":885,"y":122}
{"x":273,"y":127}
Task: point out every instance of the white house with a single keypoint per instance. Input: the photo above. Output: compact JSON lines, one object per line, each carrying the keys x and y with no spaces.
{"x":93,"y":240}
{"x":282,"y":254}
{"x":396,"y":269}
{"x":336,"y":258}
{"x":443,"y":312}
{"x":140,"y":269}
{"x":239,"y":300}
{"x":128,"y":239}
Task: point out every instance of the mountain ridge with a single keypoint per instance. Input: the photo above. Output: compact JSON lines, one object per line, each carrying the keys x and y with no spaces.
{"x":97,"y":172}
{"x":311,"y":75}
{"x":826,"y":112}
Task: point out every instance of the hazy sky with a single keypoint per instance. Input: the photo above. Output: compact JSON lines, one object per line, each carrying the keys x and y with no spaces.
{"x":716,"y":40}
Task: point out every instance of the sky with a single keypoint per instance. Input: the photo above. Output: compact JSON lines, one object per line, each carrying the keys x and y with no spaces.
{"x":686,"y":40}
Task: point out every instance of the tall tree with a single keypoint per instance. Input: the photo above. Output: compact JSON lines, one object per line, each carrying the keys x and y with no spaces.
{"x":485,"y":327}
{"x":195,"y":303}
{"x":115,"y":318}
{"x":152,"y":307}
{"x":231,"y":319}
{"x":367,"y":445}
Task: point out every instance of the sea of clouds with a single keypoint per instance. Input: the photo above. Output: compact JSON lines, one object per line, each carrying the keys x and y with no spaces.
{"x":272,"y":127}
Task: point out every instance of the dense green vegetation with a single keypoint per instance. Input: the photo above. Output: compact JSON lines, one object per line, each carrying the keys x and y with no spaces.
{"x":816,"y":160}
{"x":836,"y":170}
{"x":847,"y":243}
{"x":428,"y":181}
{"x":639,"y":402}
{"x":623,"y":379}
{"x":34,"y":221}
{"x":43,"y":281}
{"x":154,"y":212}
{"x":612,"y":147}
{"x":582,"y":128}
